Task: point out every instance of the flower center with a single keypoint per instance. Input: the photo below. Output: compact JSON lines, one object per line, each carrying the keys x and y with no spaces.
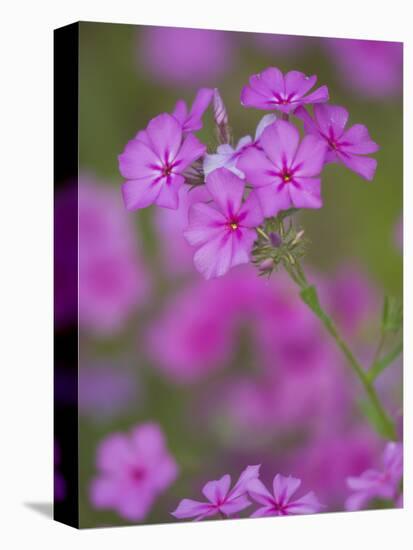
{"x":138,"y":473}
{"x":167,"y":170}
{"x":287,"y":177}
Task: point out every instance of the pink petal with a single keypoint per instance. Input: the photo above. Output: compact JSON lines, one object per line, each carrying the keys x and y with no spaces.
{"x":103,"y":492}
{"x":188,"y":508}
{"x":148,"y":440}
{"x":242,"y":243}
{"x":168,"y":196}
{"x":114,"y":453}
{"x":259,"y":493}
{"x":273,"y":200}
{"x":308,"y":194}
{"x":214,"y":258}
{"x":258,"y":169}
{"x":250,"y":473}
{"x":165,"y":134}
{"x":180,"y":112}
{"x":234,"y":505}
{"x":270,"y":79}
{"x":357,"y":140}
{"x":308,"y":504}
{"x":191,"y":150}
{"x":137,"y":160}
{"x":140,"y":193}
{"x":357,"y":501}
{"x":309,"y":160}
{"x":280,"y":142}
{"x":263,"y":123}
{"x":134,"y":505}
{"x":284,"y":488}
{"x":250,"y":213}
{"x":263,"y":512}
{"x":331,"y":117}
{"x":251,"y":98}
{"x":201,"y":102}
{"x":364,"y":166}
{"x":216,"y":491}
{"x":318,"y":96}
{"x":205,"y":224}
{"x":298,"y":83}
{"x":226,"y":189}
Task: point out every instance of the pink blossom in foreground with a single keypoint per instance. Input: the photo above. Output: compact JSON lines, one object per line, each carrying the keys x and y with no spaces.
{"x":134,"y":469}
{"x":112,"y":279}
{"x":372,"y":68}
{"x":279,"y":503}
{"x":381,"y":484}
{"x":272,"y":90}
{"x":191,"y":120}
{"x":221,"y":499}
{"x":186,"y":57}
{"x":224,"y":230}
{"x":153,"y":163}
{"x":228,"y":156}
{"x":348,"y":147}
{"x":286,"y":173}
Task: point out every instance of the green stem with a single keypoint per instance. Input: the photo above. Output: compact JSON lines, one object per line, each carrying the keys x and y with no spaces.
{"x":310,"y":298}
{"x":379,"y":365}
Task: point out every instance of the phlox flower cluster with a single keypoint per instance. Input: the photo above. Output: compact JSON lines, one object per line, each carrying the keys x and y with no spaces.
{"x":248,"y":183}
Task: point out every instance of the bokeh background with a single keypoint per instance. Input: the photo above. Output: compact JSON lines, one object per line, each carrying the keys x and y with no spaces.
{"x":234,"y":371}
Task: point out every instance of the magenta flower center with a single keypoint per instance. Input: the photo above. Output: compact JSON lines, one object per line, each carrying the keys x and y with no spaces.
{"x":138,"y":473}
{"x":287,"y":175}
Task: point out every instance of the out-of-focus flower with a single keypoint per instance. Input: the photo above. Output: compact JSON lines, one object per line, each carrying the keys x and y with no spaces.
{"x":279,"y":503}
{"x":153,"y":162}
{"x":286,"y":173}
{"x":370,"y":67}
{"x":59,"y":481}
{"x":134,"y":469}
{"x":272,"y":90}
{"x":112,"y":279}
{"x":282,"y":45}
{"x":191,"y":121}
{"x":380,"y":484}
{"x":223,"y":231}
{"x":178,"y":258}
{"x":186,"y":57}
{"x":106,"y":390}
{"x":221,"y":499}
{"x":350,"y":146}
{"x":325,"y":462}
{"x":194,"y":335}
{"x":228,"y":156}
{"x":398,"y":234}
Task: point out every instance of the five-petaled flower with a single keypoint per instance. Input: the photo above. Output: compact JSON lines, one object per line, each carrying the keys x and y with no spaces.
{"x":221,"y":499}
{"x":192,"y":121}
{"x":223,"y":229}
{"x":133,"y":471}
{"x":273,"y":90}
{"x":279,"y":503}
{"x":286,"y":173}
{"x":381,"y":484}
{"x":346,"y":146}
{"x":153,"y":163}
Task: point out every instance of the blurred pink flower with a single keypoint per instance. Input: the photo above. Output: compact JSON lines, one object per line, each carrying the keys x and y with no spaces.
{"x":221,"y":499}
{"x":350,"y":146}
{"x":370,"y":67}
{"x":192,"y":121}
{"x":381,"y":484}
{"x":279,"y":503}
{"x":282,"y":45}
{"x":133,"y":470}
{"x":59,"y":480}
{"x":286,"y":173}
{"x":186,"y":57}
{"x":194,"y":334}
{"x":112,"y":279}
{"x":223,"y":231}
{"x":153,"y":163}
{"x":272,"y":90}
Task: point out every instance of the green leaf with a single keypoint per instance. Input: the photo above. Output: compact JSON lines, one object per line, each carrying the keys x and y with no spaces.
{"x":310,"y":297}
{"x":392,"y":316}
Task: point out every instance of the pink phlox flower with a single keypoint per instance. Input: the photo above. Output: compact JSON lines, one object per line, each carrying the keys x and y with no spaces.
{"x":191,"y":121}
{"x":134,"y":469}
{"x":382,"y":484}
{"x":223,"y":230}
{"x":221,"y":499}
{"x":228,"y":156}
{"x":273,"y":90}
{"x":279,"y":503}
{"x":350,"y":146}
{"x":286,"y":172}
{"x":154,"y":161}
